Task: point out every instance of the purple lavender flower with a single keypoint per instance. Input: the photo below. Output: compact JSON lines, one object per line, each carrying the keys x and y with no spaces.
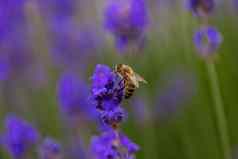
{"x":19,"y":136}
{"x":201,"y":7}
{"x":73,"y":45}
{"x":207,"y":40}
{"x":140,"y":110}
{"x":72,"y":94}
{"x":12,"y":18}
{"x":50,"y":149}
{"x":15,"y":5}
{"x":12,"y":11}
{"x":127,"y":21}
{"x":111,"y":145}
{"x":16,"y":57}
{"x":107,"y":94}
{"x":15,"y":62}
{"x":102,"y":76}
{"x":113,"y":114}
{"x":176,"y":93}
{"x":235,"y":4}
{"x":57,"y":9}
{"x":76,"y":150}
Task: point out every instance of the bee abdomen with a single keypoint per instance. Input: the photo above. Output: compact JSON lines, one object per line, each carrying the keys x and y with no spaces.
{"x":129,"y":91}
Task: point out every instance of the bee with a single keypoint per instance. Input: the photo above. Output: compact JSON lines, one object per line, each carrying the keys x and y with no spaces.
{"x":130,"y":78}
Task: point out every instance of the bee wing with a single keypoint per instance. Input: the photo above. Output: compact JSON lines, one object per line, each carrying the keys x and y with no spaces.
{"x":136,"y":78}
{"x":134,"y":81}
{"x":140,"y":79}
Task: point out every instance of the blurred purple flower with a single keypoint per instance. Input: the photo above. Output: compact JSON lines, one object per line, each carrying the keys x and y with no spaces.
{"x":15,"y":6}
{"x":72,"y":94}
{"x":112,"y":146}
{"x":57,"y":9}
{"x":16,"y":61}
{"x":17,"y":64}
{"x":235,"y":3}
{"x":177,"y":92}
{"x":127,"y":21}
{"x":140,"y":110}
{"x":72,"y":45}
{"x":201,"y":7}
{"x":107,"y":94}
{"x":76,"y":150}
{"x":207,"y":40}
{"x":13,"y":9}
{"x":50,"y":149}
{"x":12,"y":15}
{"x":14,"y":64}
{"x":4,"y":70}
{"x":19,"y":136}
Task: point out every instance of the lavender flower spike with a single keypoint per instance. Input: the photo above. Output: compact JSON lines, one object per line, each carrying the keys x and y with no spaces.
{"x":72,"y":94}
{"x":111,"y":145}
{"x":201,"y":7}
{"x":19,"y":136}
{"x":107,"y":94}
{"x":50,"y":149}
{"x":207,"y":40}
{"x":127,"y":21}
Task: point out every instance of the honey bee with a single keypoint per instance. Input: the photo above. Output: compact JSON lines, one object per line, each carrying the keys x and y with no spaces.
{"x":130,"y":78}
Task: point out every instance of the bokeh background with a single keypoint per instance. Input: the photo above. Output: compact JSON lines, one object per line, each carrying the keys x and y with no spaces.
{"x":173,"y":116}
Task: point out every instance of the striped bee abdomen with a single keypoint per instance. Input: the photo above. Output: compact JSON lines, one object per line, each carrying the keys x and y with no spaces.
{"x":129,"y":90}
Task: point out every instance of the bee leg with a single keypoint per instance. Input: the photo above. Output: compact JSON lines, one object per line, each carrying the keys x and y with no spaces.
{"x":120,"y":82}
{"x":123,"y":87}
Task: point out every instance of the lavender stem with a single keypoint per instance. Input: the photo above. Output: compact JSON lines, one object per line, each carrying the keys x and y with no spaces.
{"x":219,"y":110}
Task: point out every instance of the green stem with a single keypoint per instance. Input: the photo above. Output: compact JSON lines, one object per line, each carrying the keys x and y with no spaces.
{"x":219,"y":110}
